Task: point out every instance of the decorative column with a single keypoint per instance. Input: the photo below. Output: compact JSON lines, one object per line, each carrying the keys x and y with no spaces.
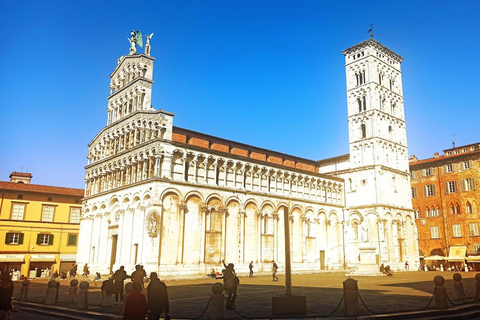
{"x":181,"y":243}
{"x":259,"y":235}
{"x":184,"y":173}
{"x":275,"y":228}
{"x":204,"y":209}
{"x":304,"y":237}
{"x":242,"y":214}
{"x":405,"y":239}
{"x":317,"y":240}
{"x":194,"y":161}
{"x":383,"y":239}
{"x":225,"y":214}
{"x":395,"y":240}
{"x":328,"y":223}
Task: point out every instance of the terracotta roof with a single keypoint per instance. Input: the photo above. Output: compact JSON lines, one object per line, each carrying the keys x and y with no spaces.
{"x":413,"y":163}
{"x":4,"y":185}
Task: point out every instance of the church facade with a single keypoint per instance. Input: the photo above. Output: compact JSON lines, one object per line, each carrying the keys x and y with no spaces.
{"x":179,"y":201}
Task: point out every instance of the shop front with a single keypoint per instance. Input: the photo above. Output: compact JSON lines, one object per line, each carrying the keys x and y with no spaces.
{"x":456,"y":258}
{"x":41,"y":265}
{"x":11,"y":262}
{"x":66,"y":262}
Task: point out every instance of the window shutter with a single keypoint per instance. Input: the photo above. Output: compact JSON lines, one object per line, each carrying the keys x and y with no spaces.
{"x":434,"y":191}
{"x":424,"y":191}
{"x":7,"y":238}
{"x":20,"y":238}
{"x":50,"y":239}
{"x":473,"y":184}
{"x":464,"y":185}
{"x":39,"y":238}
{"x":446,"y":187}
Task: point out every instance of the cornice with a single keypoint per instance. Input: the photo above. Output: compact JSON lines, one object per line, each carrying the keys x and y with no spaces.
{"x":130,"y":85}
{"x":376,"y":45}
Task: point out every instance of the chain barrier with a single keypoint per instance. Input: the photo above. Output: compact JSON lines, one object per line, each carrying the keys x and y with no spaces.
{"x":453,"y":304}
{"x":431,"y":299}
{"x":365,"y":304}
{"x":205,"y":310}
{"x":336,"y":308}
{"x":234,"y":309}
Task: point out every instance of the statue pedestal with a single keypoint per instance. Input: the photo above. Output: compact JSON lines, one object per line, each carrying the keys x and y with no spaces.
{"x":368,"y":263}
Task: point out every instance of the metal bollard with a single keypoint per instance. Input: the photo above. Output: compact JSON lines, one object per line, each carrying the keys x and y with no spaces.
{"x":217,"y":305}
{"x":458,"y":293}
{"x":350,"y":296}
{"x":440,"y":293}
{"x":82,"y":301}
{"x":25,"y":290}
{"x":73,"y":291}
{"x":51,"y":294}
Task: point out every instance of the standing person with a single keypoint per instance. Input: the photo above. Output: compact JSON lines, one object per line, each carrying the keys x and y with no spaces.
{"x":274,"y":271}
{"x":6,"y":292}
{"x":135,"y":304}
{"x":86,"y":272}
{"x":230,"y":284}
{"x":119,"y":277}
{"x":137,"y":275}
{"x":73,"y":270}
{"x":250,"y":266}
{"x":157,"y":298}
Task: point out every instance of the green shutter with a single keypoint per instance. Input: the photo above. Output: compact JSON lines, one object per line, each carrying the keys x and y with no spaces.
{"x":7,"y":238}
{"x":50,"y":240}
{"x":39,"y":238}
{"x":20,"y":238}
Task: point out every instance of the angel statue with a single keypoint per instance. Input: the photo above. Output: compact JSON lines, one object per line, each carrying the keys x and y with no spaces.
{"x":135,"y":38}
{"x":147,"y":44}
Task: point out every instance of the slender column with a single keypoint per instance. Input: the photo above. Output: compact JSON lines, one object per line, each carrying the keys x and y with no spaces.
{"x":384,"y":254}
{"x":205,"y":165}
{"x":395,"y":240}
{"x":204,"y":209}
{"x":304,"y":238}
{"x":242,"y":215}
{"x":157,"y":166}
{"x":259,"y":234}
{"x":226,"y":173}
{"x":405,"y":237}
{"x":119,"y":255}
{"x":224,"y":212}
{"x":275,"y":234}
{"x":194,"y":161}
{"x":181,"y":243}
{"x":328,"y":223}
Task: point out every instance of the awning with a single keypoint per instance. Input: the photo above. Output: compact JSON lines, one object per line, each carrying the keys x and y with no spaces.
{"x":457,"y":253}
{"x":435,"y":258}
{"x":11,"y":257}
{"x":473,"y":259}
{"x":68,"y":257}
{"x":42,"y":257}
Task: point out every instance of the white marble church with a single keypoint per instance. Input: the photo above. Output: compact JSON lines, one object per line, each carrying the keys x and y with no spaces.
{"x":179,"y":201}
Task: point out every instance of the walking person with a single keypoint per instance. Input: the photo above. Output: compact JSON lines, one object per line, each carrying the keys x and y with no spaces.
{"x":157,"y":298}
{"x":119,"y":277}
{"x":86,"y":272}
{"x":274,"y":271}
{"x":135,"y":304}
{"x":138,"y":275}
{"x":250,"y":266}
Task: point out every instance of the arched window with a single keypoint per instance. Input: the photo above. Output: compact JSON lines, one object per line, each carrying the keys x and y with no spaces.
{"x":469,"y":207}
{"x":355,"y":230}
{"x":363,"y":127}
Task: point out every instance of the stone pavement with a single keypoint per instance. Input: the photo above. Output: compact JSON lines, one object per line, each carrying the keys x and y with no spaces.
{"x":405,"y":291}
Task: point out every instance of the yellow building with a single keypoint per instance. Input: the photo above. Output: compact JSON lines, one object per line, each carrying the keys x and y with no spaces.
{"x":38,"y":226}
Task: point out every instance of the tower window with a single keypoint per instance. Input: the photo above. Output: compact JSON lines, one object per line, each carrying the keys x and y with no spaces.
{"x":363,"y":128}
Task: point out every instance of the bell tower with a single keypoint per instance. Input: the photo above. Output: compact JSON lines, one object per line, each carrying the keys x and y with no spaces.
{"x":376,"y":124}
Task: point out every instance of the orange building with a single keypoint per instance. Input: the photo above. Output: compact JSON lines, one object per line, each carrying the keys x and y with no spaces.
{"x":445,"y":200}
{"x":39,"y":226}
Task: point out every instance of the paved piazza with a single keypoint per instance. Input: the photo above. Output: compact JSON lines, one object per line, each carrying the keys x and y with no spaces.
{"x":405,"y":291}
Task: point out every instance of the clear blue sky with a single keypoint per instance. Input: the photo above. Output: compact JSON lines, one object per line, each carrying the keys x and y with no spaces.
{"x":265,"y":73}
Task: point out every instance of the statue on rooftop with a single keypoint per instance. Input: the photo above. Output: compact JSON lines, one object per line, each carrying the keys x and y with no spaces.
{"x":135,"y":38}
{"x":147,"y":45}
